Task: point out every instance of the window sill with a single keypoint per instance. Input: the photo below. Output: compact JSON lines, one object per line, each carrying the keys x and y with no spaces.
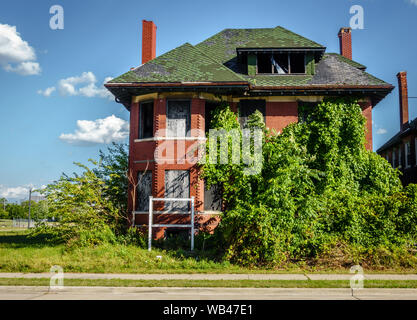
{"x":171,"y":138}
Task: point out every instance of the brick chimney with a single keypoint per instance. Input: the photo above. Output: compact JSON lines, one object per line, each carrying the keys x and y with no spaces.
{"x":148,"y":41}
{"x":403,"y":94}
{"x":345,"y":40}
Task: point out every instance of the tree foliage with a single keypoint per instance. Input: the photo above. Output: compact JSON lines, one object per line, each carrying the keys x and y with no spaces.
{"x":91,"y":207}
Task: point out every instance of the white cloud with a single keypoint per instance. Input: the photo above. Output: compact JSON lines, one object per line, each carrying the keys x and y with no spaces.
{"x":381,"y":131}
{"x":413,"y":2}
{"x":25,"y":68}
{"x":47,"y":92}
{"x":98,"y":131}
{"x":83,"y":85}
{"x":16,"y":55}
{"x":19,"y":192}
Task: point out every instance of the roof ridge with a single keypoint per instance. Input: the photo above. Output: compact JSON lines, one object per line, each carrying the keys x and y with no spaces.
{"x":298,"y":35}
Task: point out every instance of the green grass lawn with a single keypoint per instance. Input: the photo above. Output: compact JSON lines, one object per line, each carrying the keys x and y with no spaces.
{"x":18,"y":253}
{"x":212,"y":283}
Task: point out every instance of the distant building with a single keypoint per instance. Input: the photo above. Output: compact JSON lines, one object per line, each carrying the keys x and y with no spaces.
{"x":401,"y":149}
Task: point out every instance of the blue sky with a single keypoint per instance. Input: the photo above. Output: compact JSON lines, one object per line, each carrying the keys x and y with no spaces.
{"x":101,"y":39}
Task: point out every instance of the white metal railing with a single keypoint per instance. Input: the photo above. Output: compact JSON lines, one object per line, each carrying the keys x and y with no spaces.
{"x":150,"y":223}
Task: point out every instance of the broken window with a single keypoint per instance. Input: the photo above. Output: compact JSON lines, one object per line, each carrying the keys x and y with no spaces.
{"x":146,"y":120}
{"x":210,"y":107}
{"x":177,"y":185}
{"x":178,"y":118}
{"x":281,"y":63}
{"x":248,"y":107}
{"x":143,"y":190}
{"x":264,"y":63}
{"x":297,"y":63}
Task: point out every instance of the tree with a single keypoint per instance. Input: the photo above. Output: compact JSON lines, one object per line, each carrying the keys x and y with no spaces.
{"x":86,"y":214}
{"x":16,"y":211}
{"x":112,"y":168}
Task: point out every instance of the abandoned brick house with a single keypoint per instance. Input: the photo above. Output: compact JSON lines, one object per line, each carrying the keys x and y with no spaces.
{"x":272,"y":70}
{"x":401,"y":149}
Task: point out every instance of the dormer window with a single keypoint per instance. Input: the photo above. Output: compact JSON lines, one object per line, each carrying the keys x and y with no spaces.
{"x":280,"y":63}
{"x":285,"y":61}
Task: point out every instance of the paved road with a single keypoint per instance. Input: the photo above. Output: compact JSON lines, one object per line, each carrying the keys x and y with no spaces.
{"x":200,"y":276}
{"x":116,"y":293}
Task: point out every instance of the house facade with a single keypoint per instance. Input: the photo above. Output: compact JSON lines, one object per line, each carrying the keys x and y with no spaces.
{"x":170,"y":98}
{"x":401,"y":150}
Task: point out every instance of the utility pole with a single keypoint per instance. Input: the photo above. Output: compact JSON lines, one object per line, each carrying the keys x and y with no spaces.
{"x":30,"y":202}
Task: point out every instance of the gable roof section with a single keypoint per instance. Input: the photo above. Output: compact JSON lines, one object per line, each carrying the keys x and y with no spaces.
{"x":182,"y":64}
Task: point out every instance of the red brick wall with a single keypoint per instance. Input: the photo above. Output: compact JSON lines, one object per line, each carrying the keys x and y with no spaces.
{"x":367,"y":113}
{"x":403,"y":95}
{"x":281,"y":114}
{"x":345,"y":42}
{"x":144,"y":150}
{"x":148,"y":41}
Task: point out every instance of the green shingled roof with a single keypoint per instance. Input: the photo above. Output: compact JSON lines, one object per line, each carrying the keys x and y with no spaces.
{"x":183,"y":64}
{"x":214,"y":60}
{"x":222,"y":46}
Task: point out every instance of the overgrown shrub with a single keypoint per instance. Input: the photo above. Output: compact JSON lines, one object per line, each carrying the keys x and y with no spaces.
{"x":318,"y":188}
{"x":85,"y":213}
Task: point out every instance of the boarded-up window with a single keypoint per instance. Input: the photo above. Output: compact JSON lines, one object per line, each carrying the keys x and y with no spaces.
{"x":178,"y":118}
{"x":144,"y":190}
{"x":248,"y":107}
{"x":177,"y":185}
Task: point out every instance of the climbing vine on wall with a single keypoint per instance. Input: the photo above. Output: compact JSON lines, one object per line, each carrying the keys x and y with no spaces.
{"x":319,"y":188}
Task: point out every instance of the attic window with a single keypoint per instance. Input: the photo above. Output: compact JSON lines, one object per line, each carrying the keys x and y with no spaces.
{"x":280,"y":63}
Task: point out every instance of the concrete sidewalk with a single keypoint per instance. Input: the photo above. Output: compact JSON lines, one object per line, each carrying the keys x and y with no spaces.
{"x":115,"y":293}
{"x":200,"y":276}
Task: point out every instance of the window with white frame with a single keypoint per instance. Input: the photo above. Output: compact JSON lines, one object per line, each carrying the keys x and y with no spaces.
{"x":407,"y":151}
{"x":399,"y":157}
